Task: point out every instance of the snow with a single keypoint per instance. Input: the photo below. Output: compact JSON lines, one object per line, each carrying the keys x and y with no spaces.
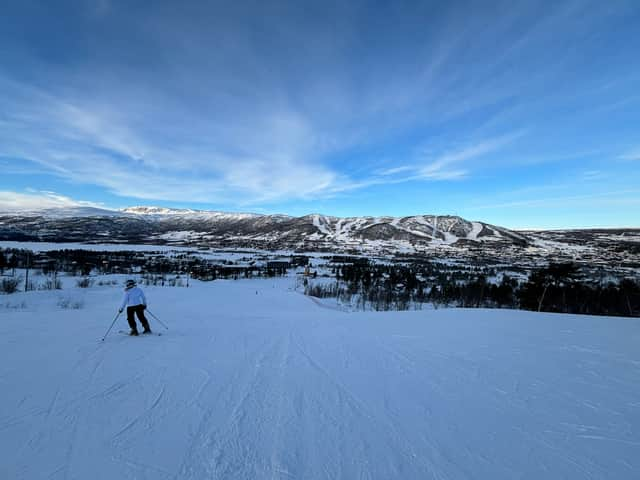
{"x":97,"y":247}
{"x":551,"y":246}
{"x":254,"y":380}
{"x":320,"y":226}
{"x":220,"y":254}
{"x":201,"y":214}
{"x":178,"y":235}
{"x":476,"y":228}
{"x":624,"y":237}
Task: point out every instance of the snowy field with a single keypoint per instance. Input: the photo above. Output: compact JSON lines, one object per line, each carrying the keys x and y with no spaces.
{"x":253,"y":380}
{"x":234,"y":254}
{"x":96,"y":247}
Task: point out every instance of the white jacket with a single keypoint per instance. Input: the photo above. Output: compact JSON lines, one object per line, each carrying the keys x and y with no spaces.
{"x":132,"y":297}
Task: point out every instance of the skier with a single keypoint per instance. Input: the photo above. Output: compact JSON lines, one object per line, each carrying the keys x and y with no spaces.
{"x":135,"y":302}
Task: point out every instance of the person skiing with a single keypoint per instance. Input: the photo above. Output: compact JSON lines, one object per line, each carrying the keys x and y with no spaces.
{"x":135,"y":302}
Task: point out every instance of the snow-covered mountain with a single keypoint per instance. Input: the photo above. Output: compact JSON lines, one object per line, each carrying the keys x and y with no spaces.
{"x":211,"y":228}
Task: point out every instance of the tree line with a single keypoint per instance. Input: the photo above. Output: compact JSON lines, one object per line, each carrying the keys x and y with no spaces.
{"x":557,"y":287}
{"x":158,"y":265}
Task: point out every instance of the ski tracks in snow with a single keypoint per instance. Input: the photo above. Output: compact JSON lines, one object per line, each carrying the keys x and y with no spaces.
{"x":67,"y":407}
{"x":80,"y":396}
{"x":141,"y":416}
{"x":243,"y":419}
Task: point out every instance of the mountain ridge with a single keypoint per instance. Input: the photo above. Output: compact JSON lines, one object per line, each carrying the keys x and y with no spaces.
{"x":228,"y":229}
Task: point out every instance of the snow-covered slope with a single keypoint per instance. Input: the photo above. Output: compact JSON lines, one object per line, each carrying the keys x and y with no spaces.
{"x":256,"y":381}
{"x":431,"y":228}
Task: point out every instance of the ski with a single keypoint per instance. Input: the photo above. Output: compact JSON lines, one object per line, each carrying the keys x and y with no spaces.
{"x":155,"y":334}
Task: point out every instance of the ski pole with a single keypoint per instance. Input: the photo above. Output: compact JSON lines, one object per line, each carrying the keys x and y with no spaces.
{"x":112,"y":324}
{"x":159,"y":321}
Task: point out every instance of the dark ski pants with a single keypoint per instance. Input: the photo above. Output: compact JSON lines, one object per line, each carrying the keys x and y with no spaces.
{"x":139,"y":311}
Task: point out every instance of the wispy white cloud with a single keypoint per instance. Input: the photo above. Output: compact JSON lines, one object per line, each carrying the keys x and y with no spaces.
{"x":394,"y":170}
{"x":274,"y":157}
{"x":267,"y":159}
{"x":452,"y":164}
{"x":631,"y":155}
{"x":36,"y":200}
{"x":479,"y":149}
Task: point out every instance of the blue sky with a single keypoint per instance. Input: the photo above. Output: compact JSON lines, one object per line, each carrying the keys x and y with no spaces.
{"x":521,"y":114}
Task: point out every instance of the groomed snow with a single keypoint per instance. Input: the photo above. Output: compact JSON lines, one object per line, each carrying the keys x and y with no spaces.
{"x":476,"y":228}
{"x":253,"y":380}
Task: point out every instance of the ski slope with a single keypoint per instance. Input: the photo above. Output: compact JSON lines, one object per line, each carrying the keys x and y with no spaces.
{"x":255,"y":381}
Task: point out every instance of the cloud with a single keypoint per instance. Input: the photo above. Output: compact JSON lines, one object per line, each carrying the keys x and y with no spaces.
{"x":37,"y":200}
{"x":276,"y":156}
{"x":92,"y":143}
{"x":478,"y":149}
{"x":452,"y":164}
{"x":631,"y":155}
{"x":242,"y":122}
{"x":202,"y":104}
{"x":394,"y":170}
{"x":436,"y":173}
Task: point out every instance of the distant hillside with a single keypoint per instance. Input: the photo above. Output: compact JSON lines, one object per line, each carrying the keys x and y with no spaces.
{"x":221,"y":229}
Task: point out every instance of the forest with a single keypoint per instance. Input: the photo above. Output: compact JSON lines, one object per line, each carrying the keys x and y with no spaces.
{"x":557,"y":287}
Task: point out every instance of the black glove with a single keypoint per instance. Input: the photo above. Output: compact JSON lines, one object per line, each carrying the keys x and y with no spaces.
{"x":144,"y":307}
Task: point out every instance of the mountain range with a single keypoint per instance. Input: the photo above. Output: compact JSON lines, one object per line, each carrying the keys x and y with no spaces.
{"x":158,"y":225}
